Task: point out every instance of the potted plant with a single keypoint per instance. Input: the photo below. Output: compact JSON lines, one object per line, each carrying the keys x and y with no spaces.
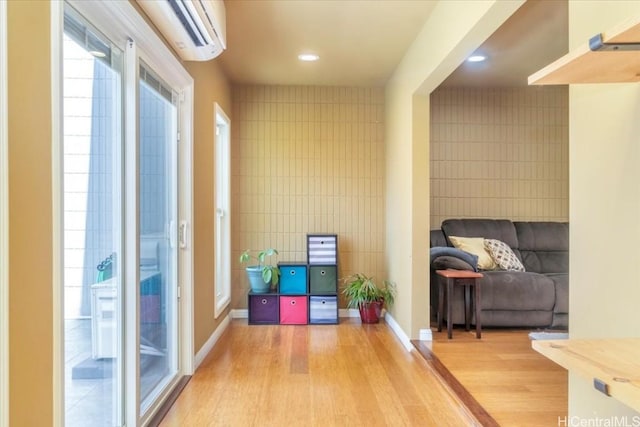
{"x":263,"y":275}
{"x":363,"y":293}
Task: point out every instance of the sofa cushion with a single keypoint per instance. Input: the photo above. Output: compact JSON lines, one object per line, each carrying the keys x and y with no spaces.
{"x":503,"y":255}
{"x":561,"y":282}
{"x":436,"y":238}
{"x":499,"y":229}
{"x":475,"y":246}
{"x":521,"y":318}
{"x":506,"y":290}
{"x":542,"y":236}
{"x":544,"y":246}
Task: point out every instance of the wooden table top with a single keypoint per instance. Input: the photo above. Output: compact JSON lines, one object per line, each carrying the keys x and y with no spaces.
{"x":614,"y":361}
{"x":459,"y":274}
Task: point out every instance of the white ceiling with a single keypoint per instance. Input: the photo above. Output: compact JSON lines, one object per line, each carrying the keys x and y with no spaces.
{"x":360,"y":42}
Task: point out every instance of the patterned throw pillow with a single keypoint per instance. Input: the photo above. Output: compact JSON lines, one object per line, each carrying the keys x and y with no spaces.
{"x":503,"y":255}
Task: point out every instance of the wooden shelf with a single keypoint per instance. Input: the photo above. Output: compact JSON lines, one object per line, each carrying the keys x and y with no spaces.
{"x":583,"y":65}
{"x":615,"y":362}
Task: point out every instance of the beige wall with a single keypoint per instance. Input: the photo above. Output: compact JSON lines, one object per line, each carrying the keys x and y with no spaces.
{"x":604,"y":206}
{"x":459,"y":27}
{"x":500,"y":153}
{"x":211,"y":87}
{"x":30,"y":222}
{"x":308,"y":160}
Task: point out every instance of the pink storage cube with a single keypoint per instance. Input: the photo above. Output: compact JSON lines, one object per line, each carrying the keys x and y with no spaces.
{"x":293,"y":310}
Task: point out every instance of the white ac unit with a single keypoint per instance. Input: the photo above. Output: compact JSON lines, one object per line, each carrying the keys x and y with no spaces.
{"x":196,"y":29}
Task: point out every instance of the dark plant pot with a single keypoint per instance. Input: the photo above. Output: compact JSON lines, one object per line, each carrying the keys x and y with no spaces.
{"x":257,"y":283}
{"x":370,"y":312}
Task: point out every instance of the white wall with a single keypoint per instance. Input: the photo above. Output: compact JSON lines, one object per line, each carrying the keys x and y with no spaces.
{"x":604,"y":125}
{"x":452,"y":32}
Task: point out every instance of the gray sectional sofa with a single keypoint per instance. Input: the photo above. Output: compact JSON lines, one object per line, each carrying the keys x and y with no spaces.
{"x":535,"y":298}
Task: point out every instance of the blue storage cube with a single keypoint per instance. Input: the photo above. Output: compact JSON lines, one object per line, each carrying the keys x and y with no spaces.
{"x":293,"y":278}
{"x":323,"y":309}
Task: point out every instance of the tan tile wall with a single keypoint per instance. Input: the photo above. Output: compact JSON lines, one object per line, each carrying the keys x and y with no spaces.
{"x":308,"y":160}
{"x":500,"y":153}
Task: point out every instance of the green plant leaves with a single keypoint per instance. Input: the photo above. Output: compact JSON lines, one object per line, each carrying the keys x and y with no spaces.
{"x":270,"y":273}
{"x":360,"y":289}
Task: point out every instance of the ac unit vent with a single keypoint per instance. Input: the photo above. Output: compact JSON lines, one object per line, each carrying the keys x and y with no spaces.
{"x":196,"y":29}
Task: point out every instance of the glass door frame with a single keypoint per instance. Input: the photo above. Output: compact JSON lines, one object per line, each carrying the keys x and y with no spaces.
{"x":123,"y":24}
{"x":4,"y":226}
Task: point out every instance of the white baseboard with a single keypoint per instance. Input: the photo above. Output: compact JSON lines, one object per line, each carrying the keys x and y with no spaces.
{"x":348,"y":312}
{"x":243,"y":313}
{"x":239,"y":313}
{"x":395,"y":327}
{"x":211,"y":342}
{"x":426,"y":335}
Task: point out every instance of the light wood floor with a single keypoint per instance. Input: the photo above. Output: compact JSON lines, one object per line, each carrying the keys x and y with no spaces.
{"x":516,"y":385}
{"x":361,"y":375}
{"x":345,"y":375}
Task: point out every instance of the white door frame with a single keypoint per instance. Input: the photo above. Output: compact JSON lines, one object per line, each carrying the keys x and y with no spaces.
{"x":4,"y":226}
{"x":222,"y":196}
{"x":120,"y":22}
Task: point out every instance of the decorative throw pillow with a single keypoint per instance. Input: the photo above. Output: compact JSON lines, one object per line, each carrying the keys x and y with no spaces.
{"x":503,"y":255}
{"x":475,"y":245}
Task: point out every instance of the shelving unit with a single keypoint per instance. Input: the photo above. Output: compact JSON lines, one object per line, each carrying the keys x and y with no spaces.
{"x":307,"y":292}
{"x":611,"y":57}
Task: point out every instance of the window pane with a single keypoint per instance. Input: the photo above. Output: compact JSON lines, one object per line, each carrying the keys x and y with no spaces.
{"x":158,"y":237}
{"x":92,"y":225}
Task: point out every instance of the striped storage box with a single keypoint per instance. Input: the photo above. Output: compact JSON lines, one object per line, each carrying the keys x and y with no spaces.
{"x":323,"y":309}
{"x":322,"y":249}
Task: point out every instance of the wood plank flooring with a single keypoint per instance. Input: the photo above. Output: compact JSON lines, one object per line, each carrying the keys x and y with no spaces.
{"x":514,"y":384}
{"x":361,"y":375}
{"x":344,"y":375}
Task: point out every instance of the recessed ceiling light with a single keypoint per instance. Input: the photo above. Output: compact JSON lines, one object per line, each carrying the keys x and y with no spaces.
{"x":476,"y":58}
{"x":308,"y":57}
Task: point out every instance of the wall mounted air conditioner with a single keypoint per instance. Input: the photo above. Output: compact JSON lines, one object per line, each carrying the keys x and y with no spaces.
{"x":196,"y":29}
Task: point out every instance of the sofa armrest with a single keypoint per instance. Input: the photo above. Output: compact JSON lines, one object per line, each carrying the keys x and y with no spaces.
{"x":437,"y":238}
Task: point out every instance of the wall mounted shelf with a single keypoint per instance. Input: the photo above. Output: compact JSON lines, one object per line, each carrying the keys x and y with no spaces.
{"x":611,"y":57}
{"x":613,"y":364}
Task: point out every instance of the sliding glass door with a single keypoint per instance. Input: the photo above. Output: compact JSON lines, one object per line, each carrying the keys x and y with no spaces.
{"x":158,"y":166}
{"x":92,"y":225}
{"x":122,"y":199}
